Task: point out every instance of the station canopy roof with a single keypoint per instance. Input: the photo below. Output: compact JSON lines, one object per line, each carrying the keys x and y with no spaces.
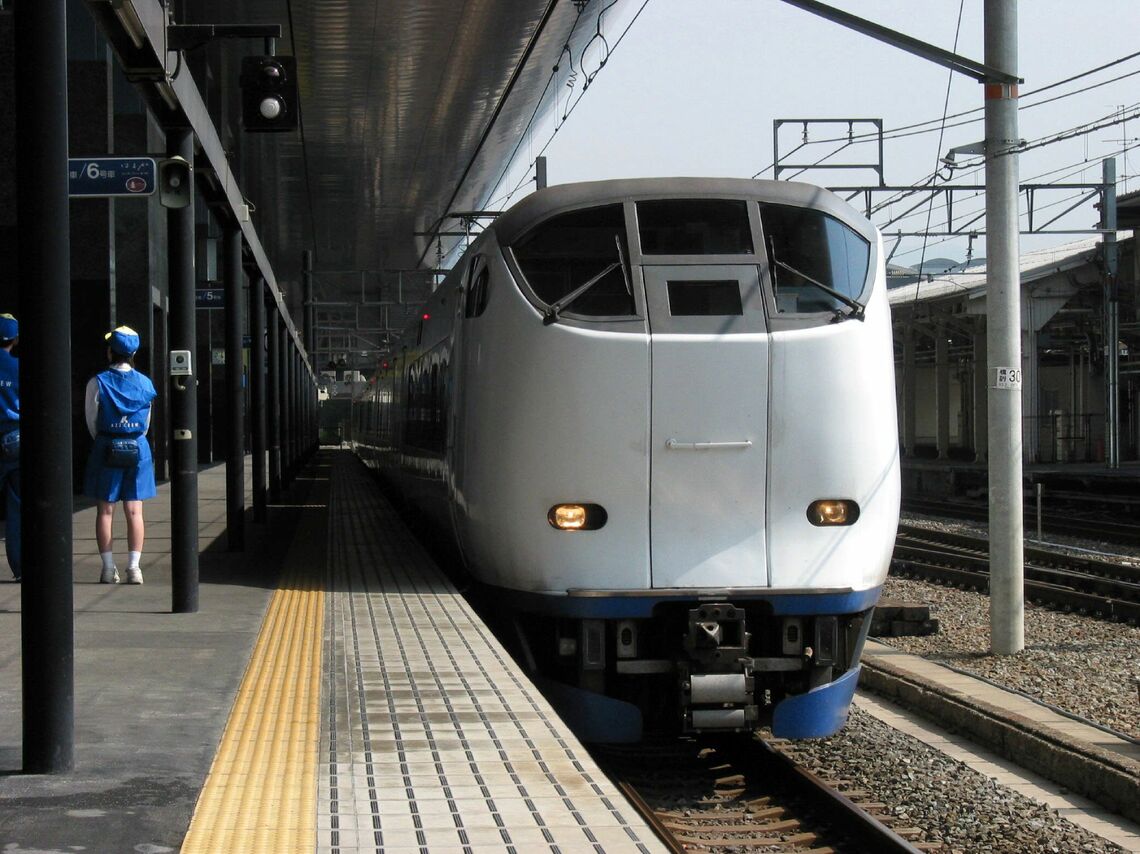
{"x":411,"y":110}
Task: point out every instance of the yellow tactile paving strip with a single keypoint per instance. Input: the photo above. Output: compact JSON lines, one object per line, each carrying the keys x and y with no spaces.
{"x":260,"y":795}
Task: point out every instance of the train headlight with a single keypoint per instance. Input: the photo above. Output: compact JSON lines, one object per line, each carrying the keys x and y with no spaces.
{"x":577,"y":517}
{"x":827,"y":512}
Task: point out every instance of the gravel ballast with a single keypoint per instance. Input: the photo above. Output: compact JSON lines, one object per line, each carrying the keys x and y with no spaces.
{"x":1084,"y":666}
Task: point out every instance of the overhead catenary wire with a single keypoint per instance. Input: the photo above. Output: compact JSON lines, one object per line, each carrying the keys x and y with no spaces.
{"x":923,"y":127}
{"x":976,"y":213}
{"x":1074,"y":169}
{"x":941,"y":135}
{"x":527,"y":177}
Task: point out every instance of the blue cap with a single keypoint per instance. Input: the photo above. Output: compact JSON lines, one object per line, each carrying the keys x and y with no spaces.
{"x":9,"y":327}
{"x":123,"y":340}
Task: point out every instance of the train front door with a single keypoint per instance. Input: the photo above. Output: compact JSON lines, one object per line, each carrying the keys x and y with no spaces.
{"x":709,"y":411}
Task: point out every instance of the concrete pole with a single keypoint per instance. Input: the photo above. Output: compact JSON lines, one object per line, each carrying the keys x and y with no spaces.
{"x":1003,"y":306}
{"x":1111,"y":321}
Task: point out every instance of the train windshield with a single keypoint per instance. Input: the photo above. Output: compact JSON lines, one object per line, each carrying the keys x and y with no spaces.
{"x":817,"y":263}
{"x":562,"y":254}
{"x":694,"y":227}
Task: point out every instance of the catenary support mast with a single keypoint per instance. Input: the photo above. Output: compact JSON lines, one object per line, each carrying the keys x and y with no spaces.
{"x":1007,"y":535}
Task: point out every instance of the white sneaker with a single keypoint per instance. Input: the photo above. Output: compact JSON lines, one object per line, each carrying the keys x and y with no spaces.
{"x":110,"y":575}
{"x":134,"y":575}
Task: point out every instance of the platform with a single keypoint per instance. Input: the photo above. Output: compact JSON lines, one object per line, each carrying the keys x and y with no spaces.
{"x":333,"y":693}
{"x":1086,"y":772}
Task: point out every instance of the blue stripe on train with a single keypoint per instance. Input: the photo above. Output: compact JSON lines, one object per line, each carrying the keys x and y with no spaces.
{"x":602,"y":607}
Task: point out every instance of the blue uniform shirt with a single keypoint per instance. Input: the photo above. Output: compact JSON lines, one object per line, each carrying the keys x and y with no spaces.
{"x":124,"y":403}
{"x":9,"y":391}
{"x":124,"y":399}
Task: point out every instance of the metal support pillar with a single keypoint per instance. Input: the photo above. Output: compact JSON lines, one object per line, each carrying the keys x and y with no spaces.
{"x":942,"y":391}
{"x":235,"y":393}
{"x":1111,"y":321}
{"x":1006,"y":523}
{"x":47,"y":626}
{"x":273,"y":406}
{"x":294,"y":410}
{"x":981,"y":409}
{"x":298,"y":412}
{"x":257,"y":391}
{"x":310,"y":310}
{"x":909,"y":386}
{"x":286,"y":408}
{"x":184,"y":393}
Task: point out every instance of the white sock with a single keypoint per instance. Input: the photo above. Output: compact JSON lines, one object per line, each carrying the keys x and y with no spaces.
{"x":108,"y":559}
{"x":133,"y":562}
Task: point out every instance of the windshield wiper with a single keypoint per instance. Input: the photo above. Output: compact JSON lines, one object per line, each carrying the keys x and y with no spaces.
{"x":551,"y":313}
{"x":855,"y":306}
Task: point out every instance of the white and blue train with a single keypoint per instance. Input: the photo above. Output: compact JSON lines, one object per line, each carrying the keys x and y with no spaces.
{"x":656,"y":417}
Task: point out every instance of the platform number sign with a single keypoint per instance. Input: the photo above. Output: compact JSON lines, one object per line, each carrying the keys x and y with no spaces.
{"x":111,"y":176}
{"x":1007,"y":378}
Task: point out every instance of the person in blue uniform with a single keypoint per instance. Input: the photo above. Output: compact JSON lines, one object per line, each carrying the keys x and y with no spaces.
{"x":120,"y":467}
{"x":10,"y":438}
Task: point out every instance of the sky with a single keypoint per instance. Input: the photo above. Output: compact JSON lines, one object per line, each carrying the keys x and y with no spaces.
{"x":692,"y":87}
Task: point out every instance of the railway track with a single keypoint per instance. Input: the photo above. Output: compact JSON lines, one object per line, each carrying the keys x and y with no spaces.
{"x":1075,"y":520}
{"x":735,"y":793}
{"x":1096,"y":587}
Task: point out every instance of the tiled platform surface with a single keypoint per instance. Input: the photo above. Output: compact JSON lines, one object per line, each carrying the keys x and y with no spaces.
{"x":152,"y":688}
{"x":433,"y":740}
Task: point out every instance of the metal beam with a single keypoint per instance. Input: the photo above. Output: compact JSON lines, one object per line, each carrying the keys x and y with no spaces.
{"x":979,"y":71}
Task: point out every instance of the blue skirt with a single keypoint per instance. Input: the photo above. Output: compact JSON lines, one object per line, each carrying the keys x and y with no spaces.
{"x":111,"y":483}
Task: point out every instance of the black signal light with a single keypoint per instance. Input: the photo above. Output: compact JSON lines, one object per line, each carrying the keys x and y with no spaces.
{"x":269,"y":93}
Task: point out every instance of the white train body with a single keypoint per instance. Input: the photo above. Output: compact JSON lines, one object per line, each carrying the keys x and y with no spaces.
{"x":696,"y":402}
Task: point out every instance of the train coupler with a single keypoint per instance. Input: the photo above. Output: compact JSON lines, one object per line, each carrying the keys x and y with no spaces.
{"x":717,"y":686}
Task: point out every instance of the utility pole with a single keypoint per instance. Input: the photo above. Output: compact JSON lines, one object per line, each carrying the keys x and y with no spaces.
{"x":1003,"y":323}
{"x":1111,"y":320}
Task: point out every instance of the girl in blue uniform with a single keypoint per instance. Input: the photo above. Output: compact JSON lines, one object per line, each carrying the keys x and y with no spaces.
{"x":120,"y":467}
{"x":10,"y":438}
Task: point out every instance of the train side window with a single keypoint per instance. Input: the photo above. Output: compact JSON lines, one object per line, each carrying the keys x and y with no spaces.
{"x":694,"y":227}
{"x":566,"y":251}
{"x":477,"y":293}
{"x":805,"y":245}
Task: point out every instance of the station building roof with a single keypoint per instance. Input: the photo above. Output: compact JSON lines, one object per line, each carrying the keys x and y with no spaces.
{"x":972,"y":281}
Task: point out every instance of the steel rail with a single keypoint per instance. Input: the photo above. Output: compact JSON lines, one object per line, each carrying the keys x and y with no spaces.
{"x":769,"y":799}
{"x":867,"y":832}
{"x":1057,"y":524}
{"x":963,"y":563}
